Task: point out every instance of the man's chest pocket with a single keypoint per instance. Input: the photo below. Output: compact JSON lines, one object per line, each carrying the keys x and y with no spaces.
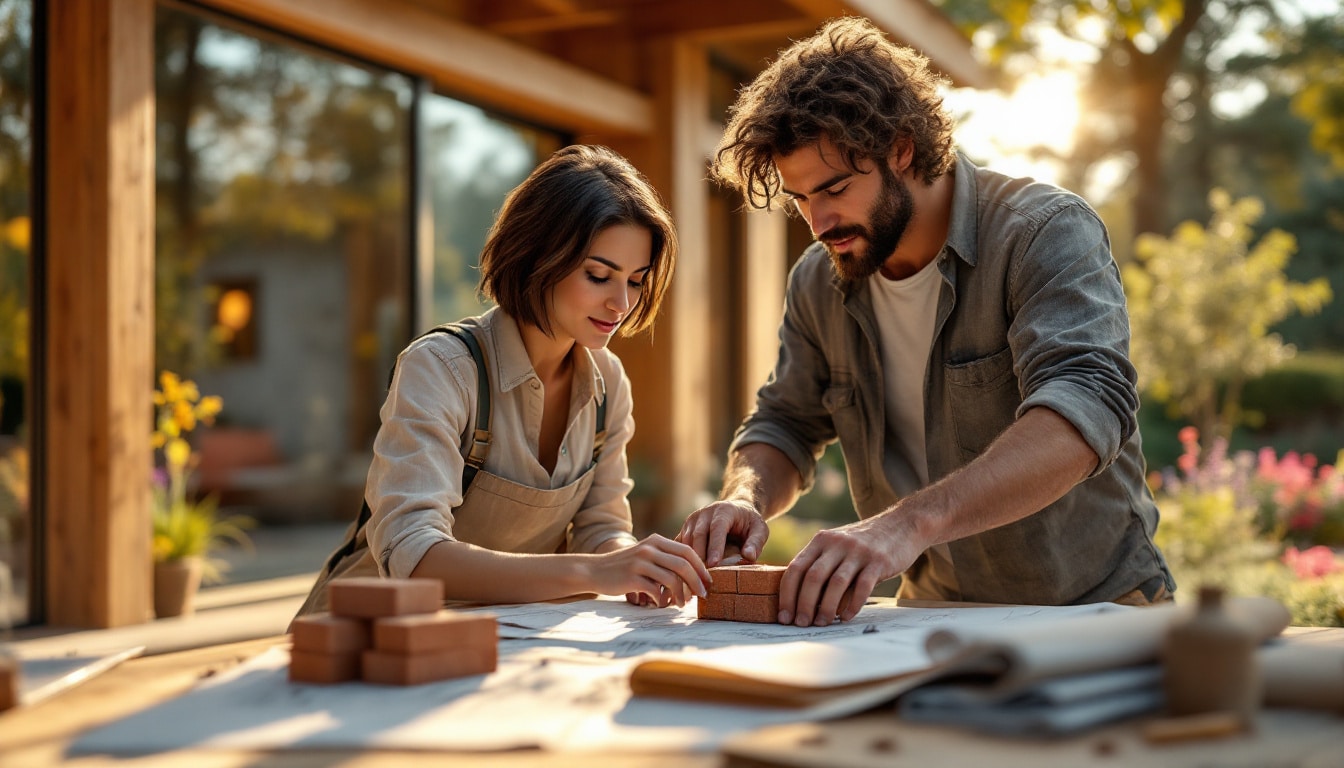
{"x":984,"y":397}
{"x":841,"y":401}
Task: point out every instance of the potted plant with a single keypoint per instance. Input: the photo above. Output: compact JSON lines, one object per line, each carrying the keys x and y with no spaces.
{"x":187,"y":530}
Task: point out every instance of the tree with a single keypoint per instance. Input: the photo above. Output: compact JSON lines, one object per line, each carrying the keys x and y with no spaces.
{"x":1262,"y":143}
{"x":1140,"y":45}
{"x":1202,"y":305}
{"x":1319,"y":57}
{"x":1156,"y":68}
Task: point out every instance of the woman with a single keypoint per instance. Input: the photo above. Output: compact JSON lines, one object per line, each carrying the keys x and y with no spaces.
{"x":536,"y":431}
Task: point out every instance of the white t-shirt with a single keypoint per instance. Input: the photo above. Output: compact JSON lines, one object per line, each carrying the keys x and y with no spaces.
{"x":906,"y":311}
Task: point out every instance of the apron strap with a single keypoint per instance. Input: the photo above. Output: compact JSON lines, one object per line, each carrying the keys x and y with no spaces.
{"x":480,"y":439}
{"x":600,"y":428}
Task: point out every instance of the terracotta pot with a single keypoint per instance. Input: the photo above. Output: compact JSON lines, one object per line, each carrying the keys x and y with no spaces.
{"x":175,"y":585}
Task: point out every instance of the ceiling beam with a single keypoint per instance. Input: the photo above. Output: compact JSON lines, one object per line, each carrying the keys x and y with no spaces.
{"x":918,"y":24}
{"x":461,"y":60}
{"x":530,"y":25}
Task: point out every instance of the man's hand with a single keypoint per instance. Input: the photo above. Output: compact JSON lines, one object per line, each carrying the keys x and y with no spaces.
{"x":833,"y":576}
{"x":714,"y":529}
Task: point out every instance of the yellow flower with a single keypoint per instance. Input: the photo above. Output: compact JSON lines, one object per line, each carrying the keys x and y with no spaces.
{"x":209,"y":406}
{"x":184,"y":415}
{"x":168,"y":426}
{"x":177,"y":452}
{"x":171,"y":386}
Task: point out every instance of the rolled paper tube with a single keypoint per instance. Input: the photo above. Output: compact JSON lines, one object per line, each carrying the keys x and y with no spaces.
{"x":1303,"y":676}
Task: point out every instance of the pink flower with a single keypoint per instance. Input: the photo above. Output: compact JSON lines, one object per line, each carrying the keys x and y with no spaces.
{"x":1267,"y":462}
{"x":1313,"y":563}
{"x":1188,"y":435}
{"x":1187,"y":462}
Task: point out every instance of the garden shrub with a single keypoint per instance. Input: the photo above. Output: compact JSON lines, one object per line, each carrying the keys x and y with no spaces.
{"x":1309,"y":387}
{"x":1235,"y":520}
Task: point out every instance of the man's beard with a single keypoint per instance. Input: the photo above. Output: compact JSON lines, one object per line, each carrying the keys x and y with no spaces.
{"x":887,"y":221}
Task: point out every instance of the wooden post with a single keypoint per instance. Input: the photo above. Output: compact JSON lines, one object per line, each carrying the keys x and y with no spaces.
{"x":670,"y":376}
{"x":100,"y":312}
{"x":766,"y":256}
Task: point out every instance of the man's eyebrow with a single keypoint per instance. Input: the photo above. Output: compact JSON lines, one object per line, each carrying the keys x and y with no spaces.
{"x":836,"y":179}
{"x":617,"y":267}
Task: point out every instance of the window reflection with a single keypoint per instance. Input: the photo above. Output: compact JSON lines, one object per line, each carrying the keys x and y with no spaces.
{"x":283,"y":268}
{"x":472,"y":160}
{"x":283,"y":259}
{"x":16,"y":525}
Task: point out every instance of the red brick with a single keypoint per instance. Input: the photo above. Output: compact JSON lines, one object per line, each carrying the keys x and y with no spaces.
{"x":421,"y":633}
{"x":759,"y":579}
{"x":757,"y":609}
{"x":715,"y":606}
{"x":324,"y":633}
{"x":416,"y":668}
{"x":371,"y":597}
{"x":725,"y":579}
{"x":323,"y":668}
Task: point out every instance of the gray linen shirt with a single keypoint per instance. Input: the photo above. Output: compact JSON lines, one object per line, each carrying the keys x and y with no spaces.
{"x":415,"y":479}
{"x":1031,"y":313}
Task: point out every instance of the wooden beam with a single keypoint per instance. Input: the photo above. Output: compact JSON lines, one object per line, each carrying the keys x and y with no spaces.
{"x":766,"y":256}
{"x":684,"y":95}
{"x":669,"y":373}
{"x":460,"y":59}
{"x":100,"y":312}
{"x":917,"y":23}
{"x":706,"y":20}
{"x":531,"y":25}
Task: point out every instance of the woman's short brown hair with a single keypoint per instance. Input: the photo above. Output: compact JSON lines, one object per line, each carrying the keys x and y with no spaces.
{"x":548,"y":222}
{"x":847,"y":83}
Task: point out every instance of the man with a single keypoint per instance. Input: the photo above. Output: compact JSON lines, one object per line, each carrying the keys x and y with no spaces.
{"x":963,"y":334}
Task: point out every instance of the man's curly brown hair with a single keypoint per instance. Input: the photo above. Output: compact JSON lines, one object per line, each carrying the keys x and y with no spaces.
{"x":847,"y":83}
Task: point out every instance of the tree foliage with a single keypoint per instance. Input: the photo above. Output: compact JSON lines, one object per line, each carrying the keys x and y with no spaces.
{"x":1202,"y":305}
{"x":1315,"y":60}
{"x":1140,"y":46}
{"x":1304,"y":66}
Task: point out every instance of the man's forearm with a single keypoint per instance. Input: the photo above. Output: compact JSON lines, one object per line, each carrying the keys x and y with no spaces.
{"x":762,"y":476}
{"x":1031,"y":465}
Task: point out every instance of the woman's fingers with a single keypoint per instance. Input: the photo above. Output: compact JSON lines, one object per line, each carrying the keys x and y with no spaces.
{"x":681,"y":560}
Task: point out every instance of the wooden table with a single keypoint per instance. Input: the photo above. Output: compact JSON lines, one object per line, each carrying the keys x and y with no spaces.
{"x":39,"y":735}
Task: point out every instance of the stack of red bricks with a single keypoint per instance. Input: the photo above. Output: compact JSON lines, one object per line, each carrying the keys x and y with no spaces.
{"x":742,"y":593}
{"x":391,"y":632}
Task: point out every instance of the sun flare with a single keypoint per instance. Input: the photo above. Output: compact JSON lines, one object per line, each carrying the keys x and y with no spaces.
{"x":1041,"y":110}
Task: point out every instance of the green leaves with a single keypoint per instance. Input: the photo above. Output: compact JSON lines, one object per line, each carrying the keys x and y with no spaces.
{"x":1202,"y":306}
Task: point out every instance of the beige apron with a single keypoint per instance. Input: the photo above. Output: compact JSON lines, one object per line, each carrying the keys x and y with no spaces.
{"x":495,"y":513}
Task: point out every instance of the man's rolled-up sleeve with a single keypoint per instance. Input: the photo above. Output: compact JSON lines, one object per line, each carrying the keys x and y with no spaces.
{"x":790,"y":414}
{"x":1070,"y":330}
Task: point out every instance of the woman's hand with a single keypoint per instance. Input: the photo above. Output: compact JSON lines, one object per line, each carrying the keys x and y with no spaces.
{"x":656,"y":571}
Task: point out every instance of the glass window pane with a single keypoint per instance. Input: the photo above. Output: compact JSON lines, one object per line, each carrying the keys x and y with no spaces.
{"x":472,"y":160}
{"x":16,"y":524}
{"x":283,"y":267}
